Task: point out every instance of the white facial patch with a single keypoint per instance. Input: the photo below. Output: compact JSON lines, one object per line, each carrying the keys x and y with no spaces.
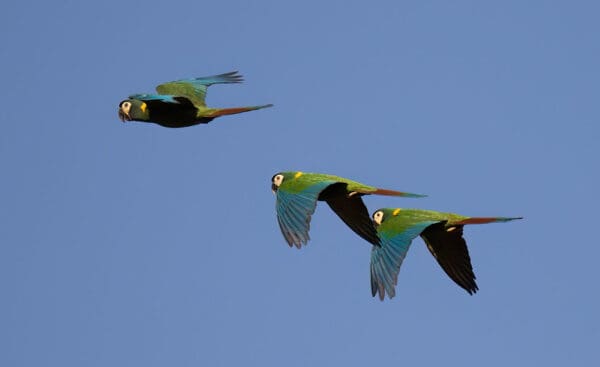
{"x":378,"y":217}
{"x":277,"y":180}
{"x":126,"y":107}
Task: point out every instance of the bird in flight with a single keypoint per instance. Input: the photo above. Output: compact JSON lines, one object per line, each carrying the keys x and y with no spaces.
{"x":443,"y":235}
{"x":180,"y":103}
{"x":297,"y":194}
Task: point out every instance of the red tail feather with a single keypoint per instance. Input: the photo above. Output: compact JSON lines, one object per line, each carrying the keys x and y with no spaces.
{"x":235,"y":110}
{"x":388,"y":192}
{"x":396,"y":193}
{"x":483,"y":220}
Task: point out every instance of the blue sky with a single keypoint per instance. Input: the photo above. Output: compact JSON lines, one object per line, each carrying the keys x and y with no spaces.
{"x":136,"y":245}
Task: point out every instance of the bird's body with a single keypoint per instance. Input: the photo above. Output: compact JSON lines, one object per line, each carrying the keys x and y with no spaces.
{"x":180,"y":103}
{"x":443,"y":235}
{"x":297,"y":195}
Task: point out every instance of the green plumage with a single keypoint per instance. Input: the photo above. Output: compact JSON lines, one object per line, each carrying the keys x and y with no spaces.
{"x":297,"y":195}
{"x":296,"y":182}
{"x":443,"y":235}
{"x":408,"y":218}
{"x":180,"y":103}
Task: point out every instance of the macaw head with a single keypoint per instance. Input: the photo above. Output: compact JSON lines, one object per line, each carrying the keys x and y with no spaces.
{"x":276,"y":181}
{"x":381,"y":215}
{"x":133,"y":109}
{"x":280,"y":177}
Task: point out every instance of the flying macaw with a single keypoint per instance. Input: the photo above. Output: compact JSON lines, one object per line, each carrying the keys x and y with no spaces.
{"x":443,"y":235}
{"x":180,"y":103}
{"x":297,"y":195}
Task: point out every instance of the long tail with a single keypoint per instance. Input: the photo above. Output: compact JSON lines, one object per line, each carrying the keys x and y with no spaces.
{"x":483,"y":220}
{"x":396,"y":193}
{"x":234,"y":110}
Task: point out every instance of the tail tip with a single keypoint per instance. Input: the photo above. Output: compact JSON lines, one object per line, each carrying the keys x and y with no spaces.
{"x":398,"y":193}
{"x":508,"y":219}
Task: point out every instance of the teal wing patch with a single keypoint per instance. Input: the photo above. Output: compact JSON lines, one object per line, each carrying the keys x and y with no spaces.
{"x":195,"y":89}
{"x":155,"y":97}
{"x":387,"y":259}
{"x":294,"y":211}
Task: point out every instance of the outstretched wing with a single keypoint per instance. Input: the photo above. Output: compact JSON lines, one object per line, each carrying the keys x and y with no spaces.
{"x":195,"y":89}
{"x":387,"y":259}
{"x":157,"y":97}
{"x":449,"y":248}
{"x":294,"y":210}
{"x":351,"y":210}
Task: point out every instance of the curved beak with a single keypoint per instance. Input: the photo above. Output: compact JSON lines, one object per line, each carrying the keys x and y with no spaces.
{"x":124,"y":116}
{"x":274,"y":188}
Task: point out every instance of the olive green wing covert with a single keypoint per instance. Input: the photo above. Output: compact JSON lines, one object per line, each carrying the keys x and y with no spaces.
{"x":195,"y":89}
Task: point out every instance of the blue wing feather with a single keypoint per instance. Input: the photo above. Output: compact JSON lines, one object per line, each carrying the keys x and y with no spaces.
{"x":387,"y":259}
{"x":294,"y":211}
{"x":155,"y":97}
{"x":231,"y":77}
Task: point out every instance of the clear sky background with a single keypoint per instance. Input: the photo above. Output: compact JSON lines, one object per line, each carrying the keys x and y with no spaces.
{"x":136,"y":245}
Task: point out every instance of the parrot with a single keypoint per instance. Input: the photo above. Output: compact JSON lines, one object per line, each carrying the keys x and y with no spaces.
{"x":441,"y":232}
{"x":297,"y":194}
{"x":180,"y":103}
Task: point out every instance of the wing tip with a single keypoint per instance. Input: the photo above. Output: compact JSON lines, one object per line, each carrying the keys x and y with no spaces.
{"x":472,"y":290}
{"x":380,"y":293}
{"x":232,"y":76}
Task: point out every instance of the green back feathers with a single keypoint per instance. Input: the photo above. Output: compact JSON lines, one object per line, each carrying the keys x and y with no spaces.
{"x":296,"y":181}
{"x":396,"y":220}
{"x":195,"y":89}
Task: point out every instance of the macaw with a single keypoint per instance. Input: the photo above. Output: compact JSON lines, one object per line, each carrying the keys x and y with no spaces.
{"x":443,"y":235}
{"x":297,"y":195}
{"x":180,"y":103}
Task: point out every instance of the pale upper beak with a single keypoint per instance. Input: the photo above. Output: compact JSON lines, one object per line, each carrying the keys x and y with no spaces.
{"x":124,"y":116}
